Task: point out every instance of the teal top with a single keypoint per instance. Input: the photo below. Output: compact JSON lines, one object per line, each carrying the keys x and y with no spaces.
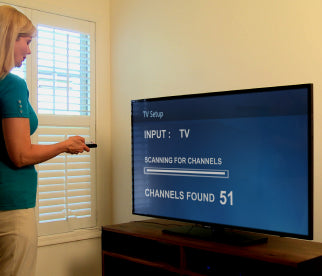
{"x":18,"y":186}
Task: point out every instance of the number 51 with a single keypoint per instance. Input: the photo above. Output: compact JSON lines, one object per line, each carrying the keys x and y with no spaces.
{"x":226,"y":198}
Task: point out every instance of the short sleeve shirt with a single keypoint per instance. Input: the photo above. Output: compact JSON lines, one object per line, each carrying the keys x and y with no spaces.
{"x":18,"y":186}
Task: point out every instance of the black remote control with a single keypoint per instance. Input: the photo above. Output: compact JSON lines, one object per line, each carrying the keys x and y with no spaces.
{"x":91,"y":145}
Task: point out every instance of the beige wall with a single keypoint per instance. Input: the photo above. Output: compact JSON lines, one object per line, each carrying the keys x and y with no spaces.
{"x":79,"y":258}
{"x":169,"y":47}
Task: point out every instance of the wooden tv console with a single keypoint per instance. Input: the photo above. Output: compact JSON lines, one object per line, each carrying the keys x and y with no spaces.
{"x":141,"y":248}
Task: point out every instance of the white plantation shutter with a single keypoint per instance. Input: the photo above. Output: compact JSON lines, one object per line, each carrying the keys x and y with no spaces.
{"x":60,"y":76}
{"x":63,"y":72}
{"x":65,"y":183}
{"x":65,"y":106}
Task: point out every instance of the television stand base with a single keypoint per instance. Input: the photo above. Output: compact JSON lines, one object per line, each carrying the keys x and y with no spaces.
{"x":217,"y":234}
{"x":142,"y":248}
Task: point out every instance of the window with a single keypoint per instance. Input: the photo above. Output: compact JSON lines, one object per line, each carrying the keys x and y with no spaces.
{"x":61,"y":80}
{"x":20,"y":71}
{"x":63,"y":72}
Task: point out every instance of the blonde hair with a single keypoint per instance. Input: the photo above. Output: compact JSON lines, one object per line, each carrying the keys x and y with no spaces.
{"x":13,"y":24}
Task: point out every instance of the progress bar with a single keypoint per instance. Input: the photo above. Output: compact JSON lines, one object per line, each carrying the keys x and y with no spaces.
{"x":187,"y":172}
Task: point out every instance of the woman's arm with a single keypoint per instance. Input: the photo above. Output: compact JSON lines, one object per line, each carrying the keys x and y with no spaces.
{"x":16,"y":133}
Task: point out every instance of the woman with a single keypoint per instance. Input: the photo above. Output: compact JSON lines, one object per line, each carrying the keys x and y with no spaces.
{"x":18,"y":178}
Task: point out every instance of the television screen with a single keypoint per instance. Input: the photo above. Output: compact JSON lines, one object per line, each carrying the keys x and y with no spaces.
{"x":239,"y":159}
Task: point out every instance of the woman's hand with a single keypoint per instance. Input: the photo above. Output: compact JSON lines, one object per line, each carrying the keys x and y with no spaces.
{"x":75,"y":145}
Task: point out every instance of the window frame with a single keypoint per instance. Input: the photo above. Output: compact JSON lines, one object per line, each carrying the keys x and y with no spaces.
{"x":75,"y":25}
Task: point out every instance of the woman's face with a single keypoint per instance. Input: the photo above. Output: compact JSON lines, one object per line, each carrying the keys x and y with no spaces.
{"x":21,"y":49}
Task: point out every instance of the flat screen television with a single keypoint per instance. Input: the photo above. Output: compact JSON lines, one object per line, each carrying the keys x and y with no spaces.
{"x":238,"y":159}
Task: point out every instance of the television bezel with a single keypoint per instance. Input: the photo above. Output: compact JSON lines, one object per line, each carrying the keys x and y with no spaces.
{"x":309,"y":87}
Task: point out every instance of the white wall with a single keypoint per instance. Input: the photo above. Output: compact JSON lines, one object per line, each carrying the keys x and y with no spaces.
{"x":169,"y":47}
{"x":83,"y":257}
